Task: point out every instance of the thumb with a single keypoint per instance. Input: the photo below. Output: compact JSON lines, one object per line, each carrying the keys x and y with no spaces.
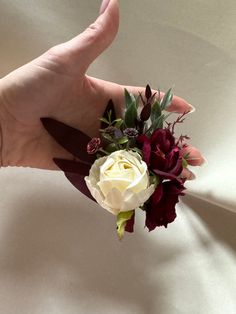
{"x":87,"y":46}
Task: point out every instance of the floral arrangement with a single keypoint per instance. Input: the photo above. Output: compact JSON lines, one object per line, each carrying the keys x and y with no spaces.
{"x":137,"y":163}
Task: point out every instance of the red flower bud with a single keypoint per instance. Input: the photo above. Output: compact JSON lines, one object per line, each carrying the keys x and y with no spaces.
{"x":93,"y":145}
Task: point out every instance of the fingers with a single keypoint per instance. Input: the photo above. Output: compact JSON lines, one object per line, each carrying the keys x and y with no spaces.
{"x":87,"y":46}
{"x":187,"y":174}
{"x":194,"y":157}
{"x":178,"y":105}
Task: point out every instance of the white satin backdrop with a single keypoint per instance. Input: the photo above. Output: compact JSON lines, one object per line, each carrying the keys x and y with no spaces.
{"x":58,"y":250}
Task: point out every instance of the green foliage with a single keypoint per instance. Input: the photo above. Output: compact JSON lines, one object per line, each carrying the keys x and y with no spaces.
{"x":121,"y":221}
{"x":131,"y":115}
{"x":154,"y":179}
{"x":137,"y":150}
{"x":111,"y":148}
{"x":104,"y":120}
{"x":107,"y":137}
{"x":166,"y":100}
{"x":184,"y":163}
{"x":156,"y":111}
{"x":129,"y":98}
{"x":123,"y":140}
{"x":118,"y":123}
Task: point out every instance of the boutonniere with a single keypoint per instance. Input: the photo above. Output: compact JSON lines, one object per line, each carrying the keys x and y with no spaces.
{"x":137,"y":162}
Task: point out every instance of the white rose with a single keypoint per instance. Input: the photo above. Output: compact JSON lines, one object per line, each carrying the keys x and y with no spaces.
{"x":120,"y":181}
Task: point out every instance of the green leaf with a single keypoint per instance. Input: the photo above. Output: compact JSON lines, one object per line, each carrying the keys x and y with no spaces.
{"x":184,"y":163}
{"x":186,"y":155}
{"x":156,"y":111}
{"x":154,"y":179}
{"x":118,"y":123}
{"x":137,"y":100}
{"x":129,"y":98}
{"x":131,"y":115}
{"x":107,"y":137}
{"x":123,"y":140}
{"x":111,"y":148}
{"x":158,"y":123}
{"x":166,"y":100}
{"x":104,"y":120}
{"x":137,"y":150}
{"x":121,"y":221}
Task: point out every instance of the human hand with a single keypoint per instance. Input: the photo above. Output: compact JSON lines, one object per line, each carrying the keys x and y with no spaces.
{"x":56,"y":85}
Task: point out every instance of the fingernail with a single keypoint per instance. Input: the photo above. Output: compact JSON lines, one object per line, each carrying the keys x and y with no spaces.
{"x":192,"y":176}
{"x":205,"y":161}
{"x":192,"y":109}
{"x":104,"y":6}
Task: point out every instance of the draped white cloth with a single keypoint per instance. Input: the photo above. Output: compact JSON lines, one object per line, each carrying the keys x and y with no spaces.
{"x":58,"y":251}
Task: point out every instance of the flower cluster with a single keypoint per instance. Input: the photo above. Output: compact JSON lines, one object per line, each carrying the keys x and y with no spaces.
{"x":139,"y":162}
{"x":136,"y":163}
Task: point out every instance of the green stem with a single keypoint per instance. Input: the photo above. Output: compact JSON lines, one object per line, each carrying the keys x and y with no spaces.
{"x":103,"y":151}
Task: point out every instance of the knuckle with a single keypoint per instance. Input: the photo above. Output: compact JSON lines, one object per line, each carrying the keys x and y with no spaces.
{"x":93,"y":31}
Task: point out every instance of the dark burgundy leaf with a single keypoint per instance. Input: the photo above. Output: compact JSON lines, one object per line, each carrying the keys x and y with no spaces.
{"x":109,"y":108}
{"x":78,"y":181}
{"x":146,"y":112}
{"x":129,"y":227}
{"x":148,"y":92}
{"x":72,"y":166}
{"x":73,"y":140}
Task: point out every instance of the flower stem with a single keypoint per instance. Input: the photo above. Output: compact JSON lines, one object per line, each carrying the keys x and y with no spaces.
{"x":103,"y":151}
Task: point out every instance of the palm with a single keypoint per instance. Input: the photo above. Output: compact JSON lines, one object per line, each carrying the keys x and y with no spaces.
{"x":55,"y":85}
{"x":41,"y":90}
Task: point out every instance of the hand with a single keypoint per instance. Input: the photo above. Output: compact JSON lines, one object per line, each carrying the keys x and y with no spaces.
{"x":56,"y":85}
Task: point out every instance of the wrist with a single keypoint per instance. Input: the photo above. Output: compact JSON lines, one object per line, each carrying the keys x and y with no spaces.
{"x":2,"y":123}
{"x":1,"y":133}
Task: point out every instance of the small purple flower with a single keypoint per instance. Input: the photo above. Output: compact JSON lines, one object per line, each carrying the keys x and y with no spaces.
{"x":131,"y":132}
{"x":110,"y":130}
{"x":93,"y":145}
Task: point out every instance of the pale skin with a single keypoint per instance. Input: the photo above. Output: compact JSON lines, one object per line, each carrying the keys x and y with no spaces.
{"x":56,"y":85}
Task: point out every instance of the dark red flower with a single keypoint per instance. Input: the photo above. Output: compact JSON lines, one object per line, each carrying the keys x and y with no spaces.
{"x":160,"y":210}
{"x":129,"y":227}
{"x":161,"y":154}
{"x":93,"y":145}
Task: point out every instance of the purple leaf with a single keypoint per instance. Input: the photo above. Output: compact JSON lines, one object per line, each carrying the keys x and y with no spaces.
{"x":109,"y":108}
{"x":72,"y":166}
{"x":73,"y":140}
{"x":146,"y":112}
{"x":78,"y":181}
{"x":148,"y":92}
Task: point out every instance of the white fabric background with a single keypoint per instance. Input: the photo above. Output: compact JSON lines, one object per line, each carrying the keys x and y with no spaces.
{"x":58,"y":251}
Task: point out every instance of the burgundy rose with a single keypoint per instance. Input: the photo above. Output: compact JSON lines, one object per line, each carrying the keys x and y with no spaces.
{"x":160,"y":210}
{"x":161,"y":154}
